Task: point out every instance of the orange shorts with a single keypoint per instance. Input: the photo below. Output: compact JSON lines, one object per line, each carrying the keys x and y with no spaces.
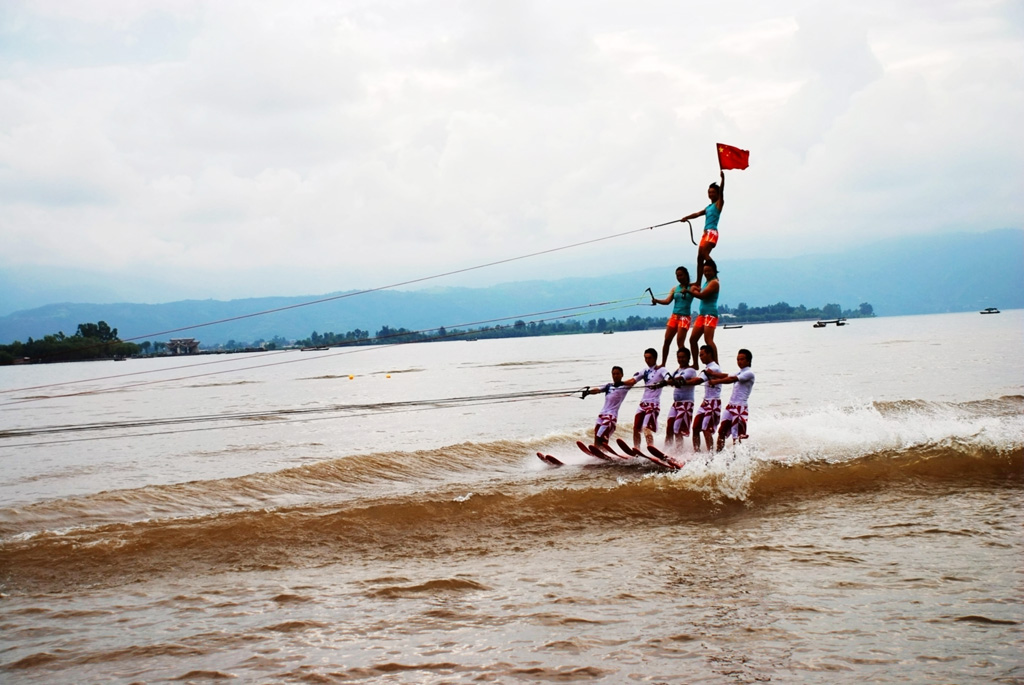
{"x":676,"y":321}
{"x":706,"y":321}
{"x":710,"y":237}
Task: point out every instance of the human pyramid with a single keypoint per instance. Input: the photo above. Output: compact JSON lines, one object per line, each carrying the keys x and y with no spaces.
{"x":682,"y":422}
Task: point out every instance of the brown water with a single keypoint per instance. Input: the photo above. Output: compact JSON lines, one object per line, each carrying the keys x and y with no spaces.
{"x":869,"y":530}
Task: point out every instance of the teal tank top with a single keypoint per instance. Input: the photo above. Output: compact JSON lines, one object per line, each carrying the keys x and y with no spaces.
{"x":711,"y":214}
{"x":681,"y":301}
{"x":709,"y":305}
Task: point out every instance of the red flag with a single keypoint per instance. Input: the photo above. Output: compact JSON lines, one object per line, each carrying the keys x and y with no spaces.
{"x":730,"y":157}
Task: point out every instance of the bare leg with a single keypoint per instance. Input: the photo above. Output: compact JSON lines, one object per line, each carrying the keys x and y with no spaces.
{"x":670,"y":332}
{"x":680,"y":342}
{"x":709,"y":338}
{"x":697,"y":420}
{"x":723,"y":430}
{"x":638,"y":424}
{"x":679,"y":432}
{"x":695,"y":336}
{"x":703,"y":253}
{"x":741,"y":430}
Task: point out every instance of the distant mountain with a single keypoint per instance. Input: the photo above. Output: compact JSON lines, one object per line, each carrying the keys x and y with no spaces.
{"x":907,"y":275}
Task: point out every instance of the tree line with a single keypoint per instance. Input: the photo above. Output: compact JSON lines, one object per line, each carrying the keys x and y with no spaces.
{"x":90,"y":341}
{"x":780,"y":311}
{"x":100,"y":341}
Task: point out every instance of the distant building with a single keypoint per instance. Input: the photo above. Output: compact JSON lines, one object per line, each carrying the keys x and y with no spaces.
{"x":183,"y":346}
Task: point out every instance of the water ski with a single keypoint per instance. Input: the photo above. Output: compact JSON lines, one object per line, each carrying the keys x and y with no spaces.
{"x":596,"y":451}
{"x":607,"y":448}
{"x":548,"y":459}
{"x":664,"y":457}
{"x":592,"y":451}
{"x":660,"y":462}
{"x":624,"y":446}
{"x":600,"y":452}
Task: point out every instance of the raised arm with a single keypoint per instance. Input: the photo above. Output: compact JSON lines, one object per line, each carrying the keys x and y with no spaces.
{"x":721,"y":190}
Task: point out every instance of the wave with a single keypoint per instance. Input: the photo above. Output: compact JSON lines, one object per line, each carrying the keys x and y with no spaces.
{"x":494,"y":495}
{"x":494,"y":515}
{"x":1007,"y":405}
{"x":333,"y":481}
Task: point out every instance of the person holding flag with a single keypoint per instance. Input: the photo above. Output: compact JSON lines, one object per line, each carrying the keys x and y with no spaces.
{"x":729,"y":157}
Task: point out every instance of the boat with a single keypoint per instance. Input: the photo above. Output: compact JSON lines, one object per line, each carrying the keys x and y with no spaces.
{"x":989,"y":310}
{"x":733,"y":325}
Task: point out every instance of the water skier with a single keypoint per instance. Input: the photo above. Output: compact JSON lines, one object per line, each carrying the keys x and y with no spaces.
{"x":707,"y":314}
{"x":711,"y":213}
{"x":734,"y":418}
{"x":678,"y":324}
{"x":614,"y":392}
{"x":680,"y":416}
{"x":646,"y":419}
{"x":706,"y":419}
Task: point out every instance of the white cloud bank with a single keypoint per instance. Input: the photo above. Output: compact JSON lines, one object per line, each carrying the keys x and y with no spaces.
{"x":254,"y":148}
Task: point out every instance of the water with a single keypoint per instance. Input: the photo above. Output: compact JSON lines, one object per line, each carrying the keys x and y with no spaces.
{"x":281,"y":522}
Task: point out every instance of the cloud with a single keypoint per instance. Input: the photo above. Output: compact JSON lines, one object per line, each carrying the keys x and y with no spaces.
{"x":264,"y":148}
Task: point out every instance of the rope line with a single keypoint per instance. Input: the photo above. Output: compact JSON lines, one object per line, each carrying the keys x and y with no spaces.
{"x":397,"y":285}
{"x":347,"y":343}
{"x":246,"y":368}
{"x":309,"y":414}
{"x":142,"y":423}
{"x":360,"y":411}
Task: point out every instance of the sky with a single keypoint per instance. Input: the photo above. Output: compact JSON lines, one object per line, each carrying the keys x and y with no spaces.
{"x":163,"y":150}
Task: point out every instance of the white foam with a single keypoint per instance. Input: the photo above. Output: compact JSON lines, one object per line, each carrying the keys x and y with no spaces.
{"x":836,"y":434}
{"x":840,"y":433}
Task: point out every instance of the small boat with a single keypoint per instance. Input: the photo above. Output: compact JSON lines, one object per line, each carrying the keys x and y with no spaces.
{"x":315,"y":349}
{"x":733,"y":325}
{"x":989,"y":310}
{"x":820,"y":324}
{"x":608,"y":332}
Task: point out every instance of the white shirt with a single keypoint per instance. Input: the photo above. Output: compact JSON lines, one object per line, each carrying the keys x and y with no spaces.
{"x":614,"y":394}
{"x":712,"y":392}
{"x":683,"y":393}
{"x":651,"y":376}
{"x":744,"y":384}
